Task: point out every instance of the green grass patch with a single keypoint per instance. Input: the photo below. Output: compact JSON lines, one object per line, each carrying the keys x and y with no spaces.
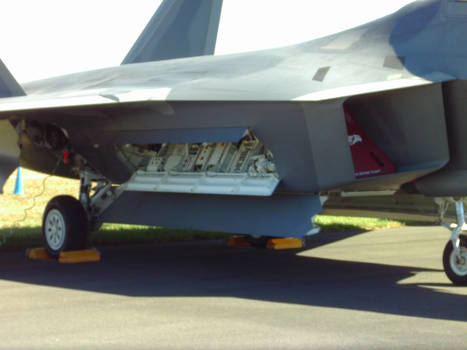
{"x":23,"y":231}
{"x":115,"y":234}
{"x":124,"y":234}
{"x":109,"y":234}
{"x":347,"y":223}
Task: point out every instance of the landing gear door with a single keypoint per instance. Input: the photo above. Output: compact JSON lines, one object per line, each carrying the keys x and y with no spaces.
{"x":9,"y":151}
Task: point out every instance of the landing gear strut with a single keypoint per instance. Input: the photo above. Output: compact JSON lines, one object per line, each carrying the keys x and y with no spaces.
{"x":455,"y":251}
{"x":67,"y":221}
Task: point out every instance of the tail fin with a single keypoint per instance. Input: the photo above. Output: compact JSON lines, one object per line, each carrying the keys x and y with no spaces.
{"x":179,"y":28}
{"x":9,"y":87}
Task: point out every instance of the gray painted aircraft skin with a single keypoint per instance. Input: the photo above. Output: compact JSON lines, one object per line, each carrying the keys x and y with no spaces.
{"x":402,"y":77}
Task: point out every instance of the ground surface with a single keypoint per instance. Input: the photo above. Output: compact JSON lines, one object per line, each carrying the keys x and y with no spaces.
{"x":376,"y":290}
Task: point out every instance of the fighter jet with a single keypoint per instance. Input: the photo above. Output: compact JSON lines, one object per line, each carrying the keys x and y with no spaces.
{"x":365,"y":121}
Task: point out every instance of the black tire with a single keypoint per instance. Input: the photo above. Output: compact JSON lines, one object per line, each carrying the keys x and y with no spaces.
{"x":66,"y":224}
{"x":454,"y":274}
{"x":258,"y":241}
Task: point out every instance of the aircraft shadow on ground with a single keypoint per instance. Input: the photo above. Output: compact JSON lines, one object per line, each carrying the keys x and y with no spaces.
{"x":205,"y":269}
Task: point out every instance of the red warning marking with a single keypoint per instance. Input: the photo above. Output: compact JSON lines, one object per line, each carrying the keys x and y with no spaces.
{"x":66,"y":157}
{"x":367,"y":158}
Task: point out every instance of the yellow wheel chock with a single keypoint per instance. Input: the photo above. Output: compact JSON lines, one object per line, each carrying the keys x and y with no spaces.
{"x":75,"y":256}
{"x":284,"y":243}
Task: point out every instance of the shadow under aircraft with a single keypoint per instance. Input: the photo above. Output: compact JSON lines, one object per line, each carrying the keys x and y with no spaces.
{"x":209,"y":269}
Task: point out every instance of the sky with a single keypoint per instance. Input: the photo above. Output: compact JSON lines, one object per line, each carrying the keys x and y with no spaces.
{"x":47,"y":38}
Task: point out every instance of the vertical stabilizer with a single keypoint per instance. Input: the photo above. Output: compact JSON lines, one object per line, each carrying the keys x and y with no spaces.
{"x":9,"y":87}
{"x":179,"y":28}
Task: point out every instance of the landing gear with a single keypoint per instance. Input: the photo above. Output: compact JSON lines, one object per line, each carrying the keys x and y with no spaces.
{"x":455,"y":264}
{"x":455,"y":252}
{"x":64,"y":225}
{"x":67,"y":221}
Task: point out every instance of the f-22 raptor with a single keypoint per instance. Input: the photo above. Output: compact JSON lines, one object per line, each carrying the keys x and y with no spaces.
{"x":368,"y":121}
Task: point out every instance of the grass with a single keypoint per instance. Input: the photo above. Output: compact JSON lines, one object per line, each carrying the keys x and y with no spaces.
{"x":22,"y":230}
{"x":347,"y":223}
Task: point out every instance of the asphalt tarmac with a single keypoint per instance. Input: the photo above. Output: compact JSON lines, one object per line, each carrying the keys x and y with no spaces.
{"x":375,"y":290}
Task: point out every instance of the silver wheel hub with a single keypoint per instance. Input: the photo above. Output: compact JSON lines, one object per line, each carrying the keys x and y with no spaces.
{"x":458,"y":262}
{"x":55,"y":229}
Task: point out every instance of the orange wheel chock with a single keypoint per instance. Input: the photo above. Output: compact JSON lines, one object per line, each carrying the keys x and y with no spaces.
{"x":284,"y":243}
{"x":38,"y":254}
{"x":69,"y":257}
{"x":79,"y":256}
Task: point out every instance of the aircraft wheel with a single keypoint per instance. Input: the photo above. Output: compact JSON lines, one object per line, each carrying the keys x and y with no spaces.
{"x":64,"y":225}
{"x":456,"y":266}
{"x":258,"y":241}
